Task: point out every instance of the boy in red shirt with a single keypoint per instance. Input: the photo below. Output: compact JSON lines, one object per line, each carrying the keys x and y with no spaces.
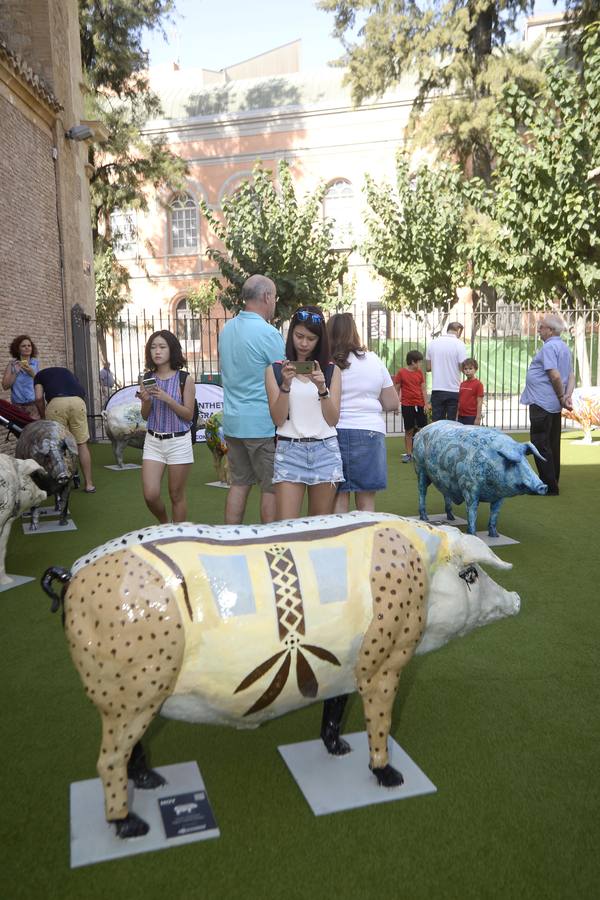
{"x":410,"y":384}
{"x":470,"y":395}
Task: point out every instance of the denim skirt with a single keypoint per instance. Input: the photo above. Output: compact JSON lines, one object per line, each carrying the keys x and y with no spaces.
{"x":364,"y":459}
{"x":308,"y":462}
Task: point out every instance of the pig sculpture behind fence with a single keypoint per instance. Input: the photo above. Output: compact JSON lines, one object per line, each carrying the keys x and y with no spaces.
{"x":19,"y":490}
{"x":124,"y":427}
{"x":469,"y":464}
{"x":237,"y":625}
{"x":54,"y":448}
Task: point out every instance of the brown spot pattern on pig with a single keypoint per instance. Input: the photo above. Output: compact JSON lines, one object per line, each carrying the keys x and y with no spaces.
{"x":392,"y":636}
{"x":117,"y":653}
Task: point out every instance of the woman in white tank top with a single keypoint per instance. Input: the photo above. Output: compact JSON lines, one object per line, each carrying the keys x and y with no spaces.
{"x":304,"y":401}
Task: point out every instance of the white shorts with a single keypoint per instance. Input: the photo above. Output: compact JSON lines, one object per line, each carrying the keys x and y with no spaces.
{"x":174,"y":451}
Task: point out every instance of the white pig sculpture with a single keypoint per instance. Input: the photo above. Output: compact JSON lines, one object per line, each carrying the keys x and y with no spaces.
{"x":124,"y":427}
{"x":237,"y":625}
{"x":18,"y":492}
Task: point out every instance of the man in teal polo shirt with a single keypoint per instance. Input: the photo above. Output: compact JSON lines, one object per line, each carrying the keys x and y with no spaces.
{"x":247,"y":345}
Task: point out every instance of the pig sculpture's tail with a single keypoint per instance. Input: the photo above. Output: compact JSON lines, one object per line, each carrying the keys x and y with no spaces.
{"x":64,"y":576}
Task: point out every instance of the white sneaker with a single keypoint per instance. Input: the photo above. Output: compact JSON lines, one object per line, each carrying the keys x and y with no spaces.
{"x":407,"y":457}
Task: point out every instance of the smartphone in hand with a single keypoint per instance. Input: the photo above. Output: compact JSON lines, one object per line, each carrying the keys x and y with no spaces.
{"x":304,"y":368}
{"x":149,"y":382}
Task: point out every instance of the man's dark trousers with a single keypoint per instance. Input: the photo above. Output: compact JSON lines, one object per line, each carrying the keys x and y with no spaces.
{"x":444,"y":405}
{"x":545,"y":436}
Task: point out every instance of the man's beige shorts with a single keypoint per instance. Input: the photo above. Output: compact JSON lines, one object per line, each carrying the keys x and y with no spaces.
{"x":251,"y":461}
{"x":70,"y":412}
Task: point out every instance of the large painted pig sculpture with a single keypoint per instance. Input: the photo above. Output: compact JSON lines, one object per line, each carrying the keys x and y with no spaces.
{"x":54,"y":448}
{"x":470,"y":464}
{"x":237,"y":625}
{"x":125,"y":427}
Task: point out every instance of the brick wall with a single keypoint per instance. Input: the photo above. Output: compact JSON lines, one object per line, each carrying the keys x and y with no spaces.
{"x":30,"y":284}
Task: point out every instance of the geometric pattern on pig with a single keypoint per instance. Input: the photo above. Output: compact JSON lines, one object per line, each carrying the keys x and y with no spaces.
{"x":124,"y":629}
{"x":399,"y":586}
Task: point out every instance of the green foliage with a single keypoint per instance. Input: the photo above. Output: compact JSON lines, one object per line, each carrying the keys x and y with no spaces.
{"x":537,"y":230}
{"x":202,"y":299}
{"x":267,"y":230}
{"x":417,"y":234}
{"x":112,"y":287}
{"x":453,"y":49}
{"x":119,"y":95}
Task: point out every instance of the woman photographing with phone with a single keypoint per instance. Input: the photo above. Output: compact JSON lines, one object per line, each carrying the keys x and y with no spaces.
{"x":304,"y":400}
{"x":168,"y":407}
{"x":20,"y":372}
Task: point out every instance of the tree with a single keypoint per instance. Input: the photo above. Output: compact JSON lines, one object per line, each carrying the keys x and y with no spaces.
{"x":267,"y":230}
{"x":119,"y":95}
{"x":537,"y":233}
{"x":452,"y":46}
{"x":417,"y":235}
{"x":538,"y":227}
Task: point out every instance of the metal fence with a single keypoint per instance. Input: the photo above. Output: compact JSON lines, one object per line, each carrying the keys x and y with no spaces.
{"x":503,"y":341}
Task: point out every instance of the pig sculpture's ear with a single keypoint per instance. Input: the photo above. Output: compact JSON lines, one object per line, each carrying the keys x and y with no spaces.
{"x":27,"y":466}
{"x":472,"y":549}
{"x":512,"y":454}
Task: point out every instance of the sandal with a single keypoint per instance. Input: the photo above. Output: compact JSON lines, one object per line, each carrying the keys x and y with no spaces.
{"x":89,"y":490}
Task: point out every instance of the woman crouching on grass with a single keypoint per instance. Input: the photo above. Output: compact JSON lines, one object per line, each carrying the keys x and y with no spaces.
{"x":169,"y":410}
{"x":304,"y":401}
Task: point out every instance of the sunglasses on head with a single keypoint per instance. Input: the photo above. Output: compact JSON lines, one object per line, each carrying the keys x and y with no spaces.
{"x":303,"y":315}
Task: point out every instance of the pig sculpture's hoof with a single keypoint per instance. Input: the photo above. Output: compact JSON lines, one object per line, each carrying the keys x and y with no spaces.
{"x":450,"y":516}
{"x":492,"y":532}
{"x":387,"y":776}
{"x":147,"y":779}
{"x":131,"y":826}
{"x":335,"y":744}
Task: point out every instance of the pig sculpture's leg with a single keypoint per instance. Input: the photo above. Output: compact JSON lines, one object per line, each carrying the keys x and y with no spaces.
{"x":472,"y":504}
{"x":62,"y":499}
{"x":126,"y":640}
{"x":398,"y":587}
{"x":448,"y":507}
{"x":333,"y":711}
{"x":35,"y":519}
{"x":424,"y":483}
{"x":493,"y":522}
{"x":118,"y":448}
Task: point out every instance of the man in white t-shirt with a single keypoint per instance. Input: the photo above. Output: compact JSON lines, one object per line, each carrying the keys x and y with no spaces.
{"x":443,"y":358}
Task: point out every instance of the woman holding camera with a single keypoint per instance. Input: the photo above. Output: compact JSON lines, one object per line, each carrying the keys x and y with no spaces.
{"x":168,"y":408}
{"x":19,"y":374}
{"x":304,"y":401}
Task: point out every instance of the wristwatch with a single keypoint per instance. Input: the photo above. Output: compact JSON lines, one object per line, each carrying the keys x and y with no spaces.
{"x":323,"y":396}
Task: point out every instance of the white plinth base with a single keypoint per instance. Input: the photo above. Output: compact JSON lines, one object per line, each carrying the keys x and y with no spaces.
{"x":333,"y":783}
{"x":15,"y":581}
{"x":123,"y":468}
{"x":44,"y":527}
{"x":221,"y":484}
{"x":501,"y":541}
{"x":94,"y":840}
{"x":441,"y":519}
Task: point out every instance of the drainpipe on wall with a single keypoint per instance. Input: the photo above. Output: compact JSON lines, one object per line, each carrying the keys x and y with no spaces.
{"x":61,"y":252}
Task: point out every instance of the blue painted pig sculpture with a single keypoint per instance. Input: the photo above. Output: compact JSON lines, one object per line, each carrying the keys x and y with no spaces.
{"x":470,"y":464}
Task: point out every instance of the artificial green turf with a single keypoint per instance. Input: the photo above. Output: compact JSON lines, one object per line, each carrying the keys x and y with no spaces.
{"x":505,"y":722}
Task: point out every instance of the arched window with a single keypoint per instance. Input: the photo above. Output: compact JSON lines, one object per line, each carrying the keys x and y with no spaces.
{"x":184,"y":224}
{"x":338,"y":207}
{"x":187,"y":325}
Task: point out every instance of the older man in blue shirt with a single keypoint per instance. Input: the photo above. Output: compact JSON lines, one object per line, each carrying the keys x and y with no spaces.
{"x":247,"y":345}
{"x":548,"y":388}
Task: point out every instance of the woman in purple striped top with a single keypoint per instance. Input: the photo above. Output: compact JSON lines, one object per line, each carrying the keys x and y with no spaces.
{"x":168,"y":411}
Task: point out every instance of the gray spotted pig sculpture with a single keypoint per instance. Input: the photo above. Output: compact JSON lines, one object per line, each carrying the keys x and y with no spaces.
{"x":237,"y":625}
{"x":54,"y":448}
{"x":124,"y":427}
{"x":19,"y":491}
{"x":468,"y":464}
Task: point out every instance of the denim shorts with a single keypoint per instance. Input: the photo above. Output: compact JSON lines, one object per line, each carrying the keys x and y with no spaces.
{"x":308,"y":462}
{"x":364,"y":459}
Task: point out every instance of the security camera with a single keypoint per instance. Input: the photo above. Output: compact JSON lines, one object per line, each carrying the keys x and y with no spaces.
{"x":79,"y":133}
